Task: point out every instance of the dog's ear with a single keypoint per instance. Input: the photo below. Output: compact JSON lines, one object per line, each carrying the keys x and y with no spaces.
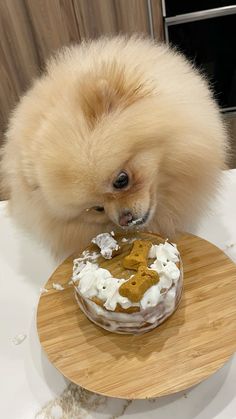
{"x":107,"y":90}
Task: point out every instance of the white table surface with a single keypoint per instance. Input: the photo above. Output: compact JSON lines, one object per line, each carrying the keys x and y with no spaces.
{"x":28,"y":381}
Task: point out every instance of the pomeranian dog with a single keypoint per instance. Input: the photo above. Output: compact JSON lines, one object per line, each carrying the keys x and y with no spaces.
{"x":118,"y":132}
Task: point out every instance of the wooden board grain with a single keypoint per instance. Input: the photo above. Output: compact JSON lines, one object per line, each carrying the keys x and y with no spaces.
{"x":191,"y":345}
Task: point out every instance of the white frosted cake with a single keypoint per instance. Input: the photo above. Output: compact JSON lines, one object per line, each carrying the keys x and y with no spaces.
{"x":128,"y":284}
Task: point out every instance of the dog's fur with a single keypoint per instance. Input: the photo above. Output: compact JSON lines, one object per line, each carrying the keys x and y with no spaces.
{"x":100,"y":108}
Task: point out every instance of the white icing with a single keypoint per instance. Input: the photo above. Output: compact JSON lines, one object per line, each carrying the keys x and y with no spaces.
{"x":87,"y":278}
{"x":18,"y":339}
{"x":152,"y":252}
{"x":124,"y":240}
{"x":165,"y":282}
{"x":80,"y":263}
{"x":43,"y":290}
{"x":107,"y":244}
{"x":170,"y":299}
{"x":166,"y":255}
{"x":168,"y":270}
{"x":115,"y":299}
{"x":151,"y":296}
{"x":95,"y":281}
{"x":57,"y":287}
{"x":164,"y":252}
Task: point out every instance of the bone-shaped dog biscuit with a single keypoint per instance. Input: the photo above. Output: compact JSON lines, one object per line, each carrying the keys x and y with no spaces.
{"x":137,"y":285}
{"x":138,"y":255}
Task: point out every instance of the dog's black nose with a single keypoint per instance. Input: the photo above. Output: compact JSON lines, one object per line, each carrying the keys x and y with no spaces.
{"x":125,"y":219}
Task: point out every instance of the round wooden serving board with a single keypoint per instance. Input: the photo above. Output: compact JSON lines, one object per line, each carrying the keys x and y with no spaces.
{"x":191,"y":345}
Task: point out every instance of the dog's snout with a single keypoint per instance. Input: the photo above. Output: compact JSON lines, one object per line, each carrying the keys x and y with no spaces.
{"x":125,"y":218}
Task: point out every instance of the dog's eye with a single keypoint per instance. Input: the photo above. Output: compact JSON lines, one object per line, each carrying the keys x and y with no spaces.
{"x":99,"y":209}
{"x":121,"y":181}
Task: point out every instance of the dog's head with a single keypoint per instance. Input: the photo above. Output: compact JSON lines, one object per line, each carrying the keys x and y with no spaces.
{"x":110,"y":174}
{"x":101,"y":164}
{"x":102,"y":155}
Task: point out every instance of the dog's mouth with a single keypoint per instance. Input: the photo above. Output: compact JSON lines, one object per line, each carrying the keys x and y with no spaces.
{"x":134,"y":222}
{"x":131,"y":221}
{"x":139,"y":221}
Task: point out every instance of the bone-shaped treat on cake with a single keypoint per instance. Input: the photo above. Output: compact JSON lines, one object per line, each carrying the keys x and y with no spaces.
{"x":138,"y":284}
{"x":138,"y":255}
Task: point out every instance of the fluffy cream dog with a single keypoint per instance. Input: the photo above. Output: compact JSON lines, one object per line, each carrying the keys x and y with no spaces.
{"x":117,"y":132}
